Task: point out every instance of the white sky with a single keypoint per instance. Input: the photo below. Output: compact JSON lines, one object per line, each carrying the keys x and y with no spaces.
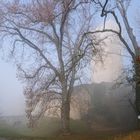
{"x":11,"y":96}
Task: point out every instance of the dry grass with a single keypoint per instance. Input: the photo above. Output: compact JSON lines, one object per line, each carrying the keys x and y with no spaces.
{"x":129,"y":136}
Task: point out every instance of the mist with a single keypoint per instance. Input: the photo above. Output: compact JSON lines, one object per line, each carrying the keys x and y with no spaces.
{"x":69,"y":70}
{"x":99,"y":104}
{"x":12,"y":101}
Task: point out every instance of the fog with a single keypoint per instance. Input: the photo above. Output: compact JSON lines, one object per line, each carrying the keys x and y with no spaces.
{"x":12,"y":101}
{"x":11,"y":91}
{"x":99,"y":103}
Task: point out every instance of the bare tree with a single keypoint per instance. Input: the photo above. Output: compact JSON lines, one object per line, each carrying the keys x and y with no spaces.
{"x":117,"y":10}
{"x":49,"y":44}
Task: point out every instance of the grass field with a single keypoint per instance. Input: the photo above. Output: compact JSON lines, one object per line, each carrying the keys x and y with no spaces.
{"x":129,"y":136}
{"x":45,"y":128}
{"x":49,"y":130}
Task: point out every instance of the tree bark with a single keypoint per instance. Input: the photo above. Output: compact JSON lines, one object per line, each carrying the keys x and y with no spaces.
{"x":65,"y":116}
{"x":137,"y":72}
{"x":65,"y":108}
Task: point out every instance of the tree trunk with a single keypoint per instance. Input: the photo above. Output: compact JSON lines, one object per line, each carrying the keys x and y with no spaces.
{"x":65,"y":116}
{"x":138,"y":103}
{"x":65,"y":107}
{"x":137,"y":72}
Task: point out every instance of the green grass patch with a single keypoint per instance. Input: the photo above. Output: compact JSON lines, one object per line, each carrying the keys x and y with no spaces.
{"x":49,"y":129}
{"x":46,"y":127}
{"x":78,"y":127}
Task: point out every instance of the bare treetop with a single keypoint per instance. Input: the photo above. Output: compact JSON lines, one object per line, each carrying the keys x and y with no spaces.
{"x":50,"y":46}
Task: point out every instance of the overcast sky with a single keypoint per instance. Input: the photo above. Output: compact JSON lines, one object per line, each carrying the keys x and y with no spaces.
{"x":11,"y":96}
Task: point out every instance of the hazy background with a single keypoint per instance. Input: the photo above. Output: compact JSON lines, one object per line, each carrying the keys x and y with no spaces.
{"x":11,"y":90}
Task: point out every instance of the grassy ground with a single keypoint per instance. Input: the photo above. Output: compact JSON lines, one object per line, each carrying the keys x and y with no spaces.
{"x":130,"y":136}
{"x":48,"y":130}
{"x":45,"y":128}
